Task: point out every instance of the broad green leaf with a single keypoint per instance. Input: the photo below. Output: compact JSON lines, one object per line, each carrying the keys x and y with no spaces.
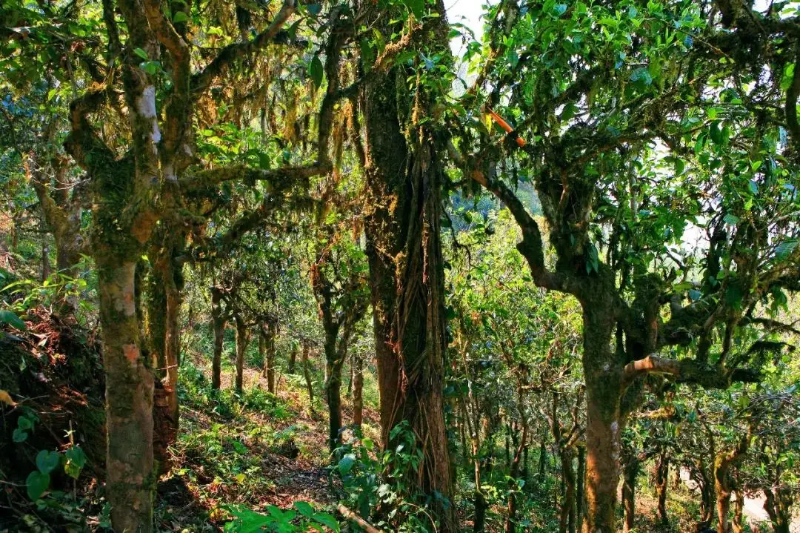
{"x":7,"y":317}
{"x":37,"y":484}
{"x":316,"y":71}
{"x":47,"y":461}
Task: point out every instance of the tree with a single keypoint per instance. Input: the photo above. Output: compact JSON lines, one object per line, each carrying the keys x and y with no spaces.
{"x":339,"y":280}
{"x":607,"y":149}
{"x":404,"y":177}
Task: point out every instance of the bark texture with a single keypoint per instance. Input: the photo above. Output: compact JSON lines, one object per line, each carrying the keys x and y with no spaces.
{"x":402,"y":227}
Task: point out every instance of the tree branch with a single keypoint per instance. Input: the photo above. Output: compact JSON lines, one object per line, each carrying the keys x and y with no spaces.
{"x":228,"y":55}
{"x":689,"y":371}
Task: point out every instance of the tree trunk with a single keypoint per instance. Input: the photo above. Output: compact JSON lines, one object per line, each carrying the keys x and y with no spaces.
{"x":45,"y":260}
{"x":723,"y":482}
{"x":272,"y":332}
{"x":172,"y":362}
{"x":567,"y":515}
{"x":603,"y":417}
{"x":662,"y":477}
{"x":737,"y":524}
{"x":778,"y":507}
{"x":580,"y":491}
{"x":292,"y":358}
{"x":219,"y":321}
{"x":358,"y":391}
{"x":242,"y":339}
{"x":333,"y":395}
{"x":266,"y":350}
{"x":542,"y":456}
{"x":406,"y":280}
{"x":129,"y":400}
{"x":511,"y":517}
{"x":630,"y":471}
{"x":307,"y":375}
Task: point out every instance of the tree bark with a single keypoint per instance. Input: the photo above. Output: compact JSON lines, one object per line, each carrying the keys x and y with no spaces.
{"x":603,"y":417}
{"x":723,"y":481}
{"x":580,"y":491}
{"x":737,"y":524}
{"x":511,"y":517}
{"x":542,"y":456}
{"x":358,"y":391}
{"x":266,"y":346}
{"x":662,"y":477}
{"x":292,"y":358}
{"x":406,"y":280}
{"x":242,"y":340}
{"x":778,"y":507}
{"x":307,"y":375}
{"x":129,"y":400}
{"x":567,"y":515}
{"x":333,"y":390}
{"x":630,"y":471}
{"x":218,"y":320}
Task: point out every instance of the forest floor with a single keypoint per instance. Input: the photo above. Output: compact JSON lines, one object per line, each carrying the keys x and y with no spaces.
{"x":256,"y":450}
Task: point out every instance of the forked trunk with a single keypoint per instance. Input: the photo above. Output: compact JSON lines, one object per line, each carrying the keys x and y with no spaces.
{"x":779,"y":508}
{"x":129,"y":400}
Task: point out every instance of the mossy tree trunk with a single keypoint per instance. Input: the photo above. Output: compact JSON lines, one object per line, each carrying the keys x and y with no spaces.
{"x":630,"y":472}
{"x":402,"y":226}
{"x":242,"y":340}
{"x":358,"y":390}
{"x":129,"y":399}
{"x":219,"y":319}
{"x":266,"y":348}
{"x":723,"y":479}
{"x":662,"y":481}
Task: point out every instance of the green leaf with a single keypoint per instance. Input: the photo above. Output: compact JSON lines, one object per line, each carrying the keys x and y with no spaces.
{"x":19,"y":435}
{"x":733,"y":296}
{"x":328,"y":521}
{"x":179,"y":17}
{"x":7,"y":317}
{"x":731,"y":219}
{"x":304,"y":508}
{"x":151,"y":67}
{"x":47,"y":461}
{"x":346,"y":463}
{"x":141,"y":53}
{"x":316,"y":71}
{"x":75,"y":461}
{"x":417,"y":7}
{"x":25,"y":423}
{"x":37,"y":484}
{"x":785,"y":249}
